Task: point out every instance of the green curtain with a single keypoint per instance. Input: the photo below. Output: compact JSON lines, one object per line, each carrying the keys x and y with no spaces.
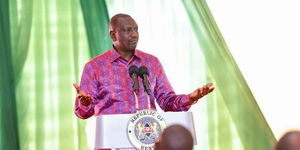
{"x":235,"y":120}
{"x":96,"y":20}
{"x":8,"y":114}
{"x":44,"y":48}
{"x":49,"y":49}
{"x":21,"y":19}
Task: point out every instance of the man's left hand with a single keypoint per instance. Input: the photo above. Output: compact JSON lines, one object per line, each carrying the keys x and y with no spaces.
{"x":201,"y":92}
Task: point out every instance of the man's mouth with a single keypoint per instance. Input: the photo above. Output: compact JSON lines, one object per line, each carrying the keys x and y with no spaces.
{"x":133,"y":42}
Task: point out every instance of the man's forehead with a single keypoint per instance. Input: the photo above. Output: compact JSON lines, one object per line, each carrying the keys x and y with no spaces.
{"x":125,"y":21}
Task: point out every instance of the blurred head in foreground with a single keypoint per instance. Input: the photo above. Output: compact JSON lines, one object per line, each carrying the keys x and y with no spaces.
{"x":289,"y":141}
{"x":175,"y":137}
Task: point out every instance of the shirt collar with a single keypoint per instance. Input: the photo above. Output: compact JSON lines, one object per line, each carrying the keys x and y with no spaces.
{"x":114,"y":55}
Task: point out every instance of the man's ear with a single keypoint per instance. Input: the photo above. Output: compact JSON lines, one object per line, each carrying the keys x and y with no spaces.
{"x":112,"y":35}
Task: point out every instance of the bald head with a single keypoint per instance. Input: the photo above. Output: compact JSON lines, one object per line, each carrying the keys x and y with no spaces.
{"x":115,"y":20}
{"x":175,"y":137}
{"x":289,"y":141}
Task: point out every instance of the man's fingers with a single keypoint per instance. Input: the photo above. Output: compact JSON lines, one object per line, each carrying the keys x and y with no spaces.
{"x":82,"y":94}
{"x":76,"y":87}
{"x":208,"y":85}
{"x":210,"y":90}
{"x":89,"y":96}
{"x":86,"y":100}
{"x":205,"y":89}
{"x":200,"y":91}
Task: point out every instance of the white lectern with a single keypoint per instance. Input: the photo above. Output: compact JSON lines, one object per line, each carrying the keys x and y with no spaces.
{"x":111,"y":130}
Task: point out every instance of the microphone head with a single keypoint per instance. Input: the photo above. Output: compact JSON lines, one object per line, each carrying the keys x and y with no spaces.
{"x":133,"y":69}
{"x":143,"y":70}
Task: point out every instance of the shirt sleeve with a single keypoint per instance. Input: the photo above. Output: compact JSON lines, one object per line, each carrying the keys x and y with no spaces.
{"x":91,"y":85}
{"x":165,"y":95}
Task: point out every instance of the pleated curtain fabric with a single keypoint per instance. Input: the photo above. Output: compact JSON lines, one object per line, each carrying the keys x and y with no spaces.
{"x":235,"y":119}
{"x":44,"y":46}
{"x":8,"y":113}
{"x":96,"y":21}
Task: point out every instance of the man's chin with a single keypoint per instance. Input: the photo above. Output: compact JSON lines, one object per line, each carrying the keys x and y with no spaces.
{"x":132,"y":47}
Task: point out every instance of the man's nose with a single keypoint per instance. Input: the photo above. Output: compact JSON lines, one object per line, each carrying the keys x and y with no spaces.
{"x":135,"y":34}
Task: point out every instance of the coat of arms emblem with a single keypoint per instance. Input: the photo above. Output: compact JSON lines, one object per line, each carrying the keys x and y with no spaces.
{"x":144,"y":128}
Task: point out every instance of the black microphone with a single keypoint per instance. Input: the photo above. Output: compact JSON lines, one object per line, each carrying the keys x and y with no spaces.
{"x":144,"y":74}
{"x":134,"y":72}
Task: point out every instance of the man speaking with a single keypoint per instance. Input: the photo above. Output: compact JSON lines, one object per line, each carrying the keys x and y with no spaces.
{"x":110,"y":82}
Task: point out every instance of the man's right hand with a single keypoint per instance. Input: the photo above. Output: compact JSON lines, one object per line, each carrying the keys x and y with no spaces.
{"x":84,"y":98}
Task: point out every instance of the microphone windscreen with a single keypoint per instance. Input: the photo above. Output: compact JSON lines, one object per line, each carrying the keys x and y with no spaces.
{"x":133,"y":69}
{"x":143,"y":70}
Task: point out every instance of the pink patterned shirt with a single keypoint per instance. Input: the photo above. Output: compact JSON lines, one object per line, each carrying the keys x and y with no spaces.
{"x":107,"y":80}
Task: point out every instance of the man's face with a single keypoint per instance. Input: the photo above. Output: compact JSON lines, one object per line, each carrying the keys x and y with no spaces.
{"x":125,"y":35}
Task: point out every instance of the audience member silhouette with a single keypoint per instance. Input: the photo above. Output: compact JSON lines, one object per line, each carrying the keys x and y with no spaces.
{"x":289,"y":141}
{"x":175,"y":137}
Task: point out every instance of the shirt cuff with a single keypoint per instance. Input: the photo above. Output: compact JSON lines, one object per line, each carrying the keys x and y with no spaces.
{"x":185,"y":101}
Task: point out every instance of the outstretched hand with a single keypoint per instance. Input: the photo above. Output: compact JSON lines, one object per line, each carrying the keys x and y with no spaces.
{"x":201,"y":92}
{"x":84,"y":98}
